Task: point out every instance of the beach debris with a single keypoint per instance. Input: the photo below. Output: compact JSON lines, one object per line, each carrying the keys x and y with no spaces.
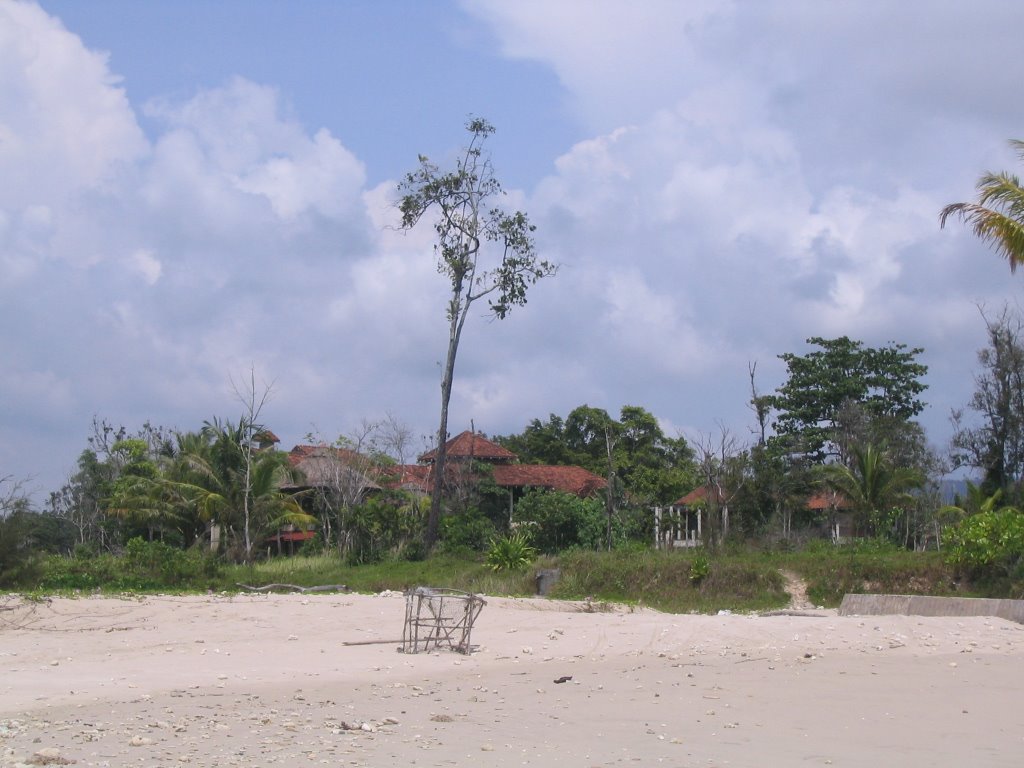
{"x":563,"y":679}
{"x":294,"y":588}
{"x":48,"y":756}
{"x":439,"y":618}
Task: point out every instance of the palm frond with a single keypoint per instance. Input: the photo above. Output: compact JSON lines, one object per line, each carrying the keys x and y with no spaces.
{"x":997,"y":218}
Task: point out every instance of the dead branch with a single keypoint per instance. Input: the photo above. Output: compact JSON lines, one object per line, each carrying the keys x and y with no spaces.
{"x":295,"y":588}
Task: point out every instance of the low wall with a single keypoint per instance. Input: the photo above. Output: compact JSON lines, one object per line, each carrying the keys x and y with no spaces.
{"x":920,"y":605}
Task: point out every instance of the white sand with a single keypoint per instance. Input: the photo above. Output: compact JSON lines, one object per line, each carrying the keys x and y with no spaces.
{"x":261,"y":681}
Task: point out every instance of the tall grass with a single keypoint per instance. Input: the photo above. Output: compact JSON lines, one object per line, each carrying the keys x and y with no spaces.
{"x":677,"y":581}
{"x":665,"y":580}
{"x":451,"y":571}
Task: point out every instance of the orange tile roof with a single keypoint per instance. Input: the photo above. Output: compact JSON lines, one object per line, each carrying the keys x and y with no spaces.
{"x":300,"y":452}
{"x":471,"y":445}
{"x":320,"y":465}
{"x":575,"y":480}
{"x":828,"y":500}
{"x":695,"y":496}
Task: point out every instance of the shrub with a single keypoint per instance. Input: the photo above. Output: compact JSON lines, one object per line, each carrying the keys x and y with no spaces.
{"x":559,"y":521}
{"x":145,"y":565}
{"x":989,"y":543}
{"x":700,"y":567}
{"x":510,"y":553}
{"x":468,"y":530}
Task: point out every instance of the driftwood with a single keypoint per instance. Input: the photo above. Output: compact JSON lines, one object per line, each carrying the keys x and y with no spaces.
{"x":371,"y":642}
{"x":295,"y":588}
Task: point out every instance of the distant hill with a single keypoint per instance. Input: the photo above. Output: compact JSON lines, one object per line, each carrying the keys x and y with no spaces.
{"x":951,"y":489}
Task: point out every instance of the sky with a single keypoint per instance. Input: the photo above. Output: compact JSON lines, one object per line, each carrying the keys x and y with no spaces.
{"x":194,"y":195}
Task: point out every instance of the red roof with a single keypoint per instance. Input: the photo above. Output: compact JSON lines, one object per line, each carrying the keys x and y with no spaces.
{"x":696,"y":496}
{"x":301,"y":452}
{"x":828,"y":500}
{"x":324,"y":465}
{"x":292,"y":536}
{"x":471,"y":445}
{"x":576,"y":480}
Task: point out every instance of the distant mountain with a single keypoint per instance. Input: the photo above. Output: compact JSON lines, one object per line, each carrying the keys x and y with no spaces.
{"x":950,"y":490}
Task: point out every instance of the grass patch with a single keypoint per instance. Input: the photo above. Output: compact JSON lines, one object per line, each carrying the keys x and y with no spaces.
{"x":451,"y":571}
{"x":833,"y":572}
{"x":678,"y":581}
{"x":664,"y":580}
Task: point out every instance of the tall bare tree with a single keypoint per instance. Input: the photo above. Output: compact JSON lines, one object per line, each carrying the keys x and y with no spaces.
{"x":483,"y":252}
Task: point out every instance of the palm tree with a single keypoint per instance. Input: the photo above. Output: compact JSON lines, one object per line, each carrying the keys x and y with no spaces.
{"x":872,"y":485}
{"x":998,"y":216}
{"x":237,"y":486}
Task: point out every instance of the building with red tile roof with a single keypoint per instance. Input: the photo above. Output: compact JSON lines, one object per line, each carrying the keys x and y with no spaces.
{"x":505,"y":468}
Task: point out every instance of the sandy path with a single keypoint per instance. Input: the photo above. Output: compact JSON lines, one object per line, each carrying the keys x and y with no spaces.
{"x":265,"y":680}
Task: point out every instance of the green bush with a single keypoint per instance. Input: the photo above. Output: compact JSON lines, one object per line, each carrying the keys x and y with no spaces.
{"x":144,"y":566}
{"x":511,"y":553}
{"x":700,"y":567}
{"x":989,"y":544}
{"x":466,"y":531}
{"x":560,"y":521}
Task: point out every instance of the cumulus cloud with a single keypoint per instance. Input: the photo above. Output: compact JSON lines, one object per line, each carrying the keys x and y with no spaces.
{"x":61,"y":102}
{"x":142,"y":274}
{"x":747,"y":175}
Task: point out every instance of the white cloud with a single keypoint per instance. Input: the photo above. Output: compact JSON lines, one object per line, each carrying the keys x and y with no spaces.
{"x":747,"y":175}
{"x":58,"y":100}
{"x":145,"y":263}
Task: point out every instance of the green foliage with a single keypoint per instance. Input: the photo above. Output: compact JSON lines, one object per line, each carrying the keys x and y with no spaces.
{"x":649,"y":466}
{"x":663,"y":580}
{"x":511,"y":552}
{"x":380,"y":526}
{"x":884,"y":381}
{"x":700,"y":567}
{"x":464,"y":531}
{"x":737,"y":579}
{"x":874,"y":487}
{"x":989,"y":544}
{"x":144,"y":566}
{"x":558,"y":521}
{"x":870,"y":566}
{"x":483,"y":251}
{"x":220,"y":476}
{"x":14,"y":554}
{"x":998,"y":216}
{"x":996,"y":444}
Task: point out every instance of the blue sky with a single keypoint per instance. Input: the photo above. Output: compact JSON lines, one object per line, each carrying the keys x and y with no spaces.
{"x":193,"y":190}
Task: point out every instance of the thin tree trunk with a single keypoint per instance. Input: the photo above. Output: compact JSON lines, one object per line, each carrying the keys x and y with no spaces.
{"x":441,"y":456}
{"x":609,"y":499}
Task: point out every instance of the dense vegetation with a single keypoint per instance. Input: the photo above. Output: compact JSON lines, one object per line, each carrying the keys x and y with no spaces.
{"x":205,"y":509}
{"x":670,"y":581}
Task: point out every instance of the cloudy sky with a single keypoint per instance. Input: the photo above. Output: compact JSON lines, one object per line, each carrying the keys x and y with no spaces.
{"x":193,"y":190}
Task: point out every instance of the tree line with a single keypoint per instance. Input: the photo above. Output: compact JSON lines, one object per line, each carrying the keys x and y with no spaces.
{"x":843,"y":420}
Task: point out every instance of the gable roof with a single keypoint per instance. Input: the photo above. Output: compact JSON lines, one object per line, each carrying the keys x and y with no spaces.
{"x":471,"y":445}
{"x":326,"y":466}
{"x":828,"y":500}
{"x":696,"y":496}
{"x":575,"y":480}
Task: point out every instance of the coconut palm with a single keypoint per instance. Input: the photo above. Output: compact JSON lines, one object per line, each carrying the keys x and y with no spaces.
{"x":237,"y":486}
{"x":872,"y":485}
{"x":998,"y":216}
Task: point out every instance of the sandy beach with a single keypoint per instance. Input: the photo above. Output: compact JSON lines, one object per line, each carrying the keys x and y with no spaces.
{"x":259,"y":680}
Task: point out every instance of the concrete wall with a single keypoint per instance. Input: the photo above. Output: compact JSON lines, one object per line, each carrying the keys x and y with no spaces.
{"x":919,"y":605}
